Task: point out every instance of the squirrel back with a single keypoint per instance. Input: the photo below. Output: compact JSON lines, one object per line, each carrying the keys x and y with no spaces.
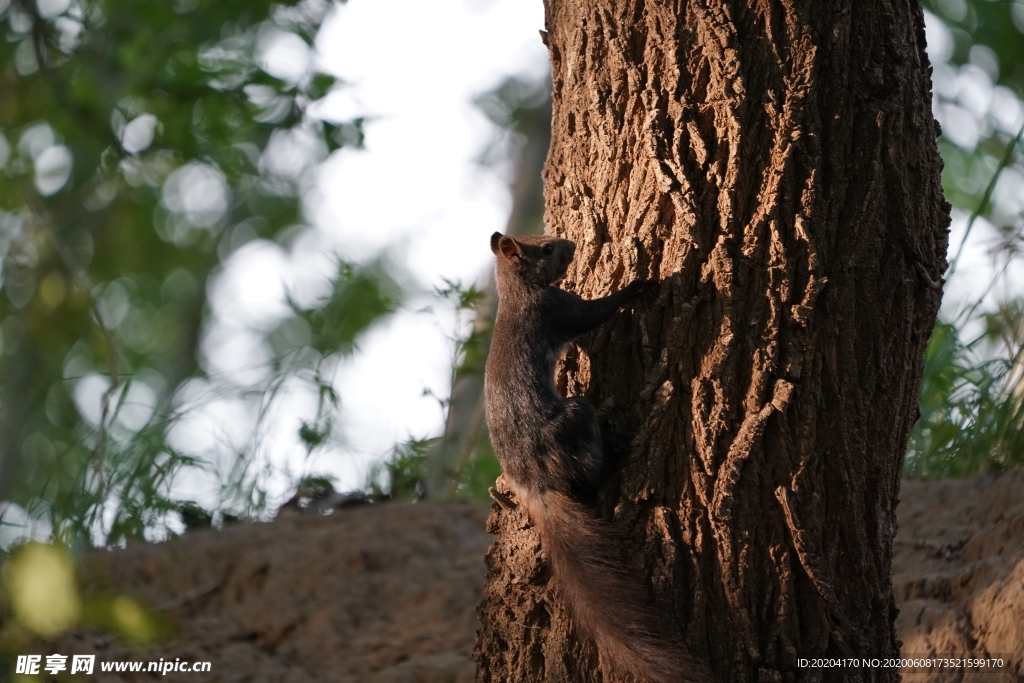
{"x":550,"y":450}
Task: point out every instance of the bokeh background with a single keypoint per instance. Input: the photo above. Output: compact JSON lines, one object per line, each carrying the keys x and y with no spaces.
{"x":244,"y":251}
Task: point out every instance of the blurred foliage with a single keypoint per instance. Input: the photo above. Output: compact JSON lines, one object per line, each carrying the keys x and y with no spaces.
{"x":141,"y":144}
{"x":972,"y":403}
{"x":473,"y":331}
{"x":972,"y":418}
{"x":460,"y":464}
{"x":520,"y":109}
{"x":402,"y":475}
{"x":977,"y":54}
{"x":468,"y":450}
{"x":358,"y":298}
{"x":40,"y":599}
{"x":40,"y":580}
{"x":995,"y":24}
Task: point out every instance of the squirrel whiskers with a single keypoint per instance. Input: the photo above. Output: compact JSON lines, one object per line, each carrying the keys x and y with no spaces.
{"x":550,"y":451}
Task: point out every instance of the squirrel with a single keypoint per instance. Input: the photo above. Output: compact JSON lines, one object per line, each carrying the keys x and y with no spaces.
{"x":550,"y":451}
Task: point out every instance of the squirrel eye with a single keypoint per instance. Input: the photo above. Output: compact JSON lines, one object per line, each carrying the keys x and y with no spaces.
{"x":548,"y":250}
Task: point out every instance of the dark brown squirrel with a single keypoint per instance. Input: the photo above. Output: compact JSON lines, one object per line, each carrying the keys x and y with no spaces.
{"x":551,"y":454}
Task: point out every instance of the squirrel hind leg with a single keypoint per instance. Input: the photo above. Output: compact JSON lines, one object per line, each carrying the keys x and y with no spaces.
{"x":576,"y":438}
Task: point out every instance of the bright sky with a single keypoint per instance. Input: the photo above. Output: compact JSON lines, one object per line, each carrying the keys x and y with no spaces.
{"x":416,"y":67}
{"x":413,"y":68}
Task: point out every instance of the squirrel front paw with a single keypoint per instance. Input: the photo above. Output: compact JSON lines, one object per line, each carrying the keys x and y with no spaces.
{"x":640,"y":286}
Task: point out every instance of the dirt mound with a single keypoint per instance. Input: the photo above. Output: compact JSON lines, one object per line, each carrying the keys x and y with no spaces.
{"x":387,"y":593}
{"x":958,"y":570}
{"x":380,"y":593}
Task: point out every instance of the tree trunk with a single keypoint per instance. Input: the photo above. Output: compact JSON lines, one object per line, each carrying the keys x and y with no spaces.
{"x":774,"y":166}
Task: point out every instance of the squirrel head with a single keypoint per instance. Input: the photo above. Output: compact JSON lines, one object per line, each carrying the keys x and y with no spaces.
{"x":536,"y":259}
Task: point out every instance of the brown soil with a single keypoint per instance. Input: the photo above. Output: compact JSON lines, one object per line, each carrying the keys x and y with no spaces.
{"x":387,"y":593}
{"x":958,"y":571}
{"x":382,"y":593}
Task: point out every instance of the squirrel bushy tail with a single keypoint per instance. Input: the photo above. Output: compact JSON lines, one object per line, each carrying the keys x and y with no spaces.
{"x":605,"y":602}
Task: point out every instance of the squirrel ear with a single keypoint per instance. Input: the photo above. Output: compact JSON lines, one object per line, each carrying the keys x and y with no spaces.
{"x":495,"y":238}
{"x":506,"y":245}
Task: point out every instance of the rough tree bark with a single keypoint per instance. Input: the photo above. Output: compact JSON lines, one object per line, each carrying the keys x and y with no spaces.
{"x":774,"y":165}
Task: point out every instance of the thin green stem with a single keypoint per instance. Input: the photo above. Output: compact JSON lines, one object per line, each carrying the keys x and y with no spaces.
{"x":983,"y":204}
